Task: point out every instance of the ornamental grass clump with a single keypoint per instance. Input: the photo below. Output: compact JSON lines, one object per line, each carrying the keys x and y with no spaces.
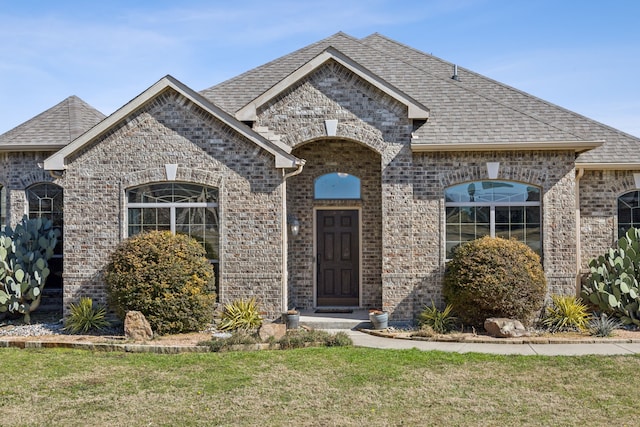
{"x":164,"y":276}
{"x":494,"y":277}
{"x":240,"y":315}
{"x":567,"y":313}
{"x":84,"y":317}
{"x":440,"y":321}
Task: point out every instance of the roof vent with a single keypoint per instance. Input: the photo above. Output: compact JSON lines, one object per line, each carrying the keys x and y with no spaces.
{"x":455,"y":73}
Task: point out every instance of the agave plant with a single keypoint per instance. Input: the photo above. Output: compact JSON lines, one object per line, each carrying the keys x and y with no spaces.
{"x":603,"y":325}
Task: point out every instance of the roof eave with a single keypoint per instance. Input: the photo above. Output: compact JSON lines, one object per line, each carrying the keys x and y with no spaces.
{"x":30,"y":147}
{"x":415,"y":110}
{"x":577,"y":146}
{"x":609,"y":166}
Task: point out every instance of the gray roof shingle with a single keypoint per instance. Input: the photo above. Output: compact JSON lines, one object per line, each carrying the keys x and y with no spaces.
{"x":54,"y":128}
{"x":474,"y":109}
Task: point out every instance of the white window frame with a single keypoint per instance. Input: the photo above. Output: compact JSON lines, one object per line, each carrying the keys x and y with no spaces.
{"x":172,"y":211}
{"x":492,"y":209}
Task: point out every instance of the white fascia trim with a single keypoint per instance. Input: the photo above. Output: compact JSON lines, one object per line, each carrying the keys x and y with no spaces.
{"x":415,"y":109}
{"x":31,"y":147}
{"x":279,"y":150}
{"x":609,"y":166}
{"x":577,"y":146}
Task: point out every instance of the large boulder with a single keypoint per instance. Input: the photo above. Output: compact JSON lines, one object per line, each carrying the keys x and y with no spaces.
{"x":275,"y":330}
{"x":137,"y":327}
{"x":504,"y":328}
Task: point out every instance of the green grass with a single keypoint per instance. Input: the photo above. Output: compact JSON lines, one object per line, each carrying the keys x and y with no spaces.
{"x":314,"y":386}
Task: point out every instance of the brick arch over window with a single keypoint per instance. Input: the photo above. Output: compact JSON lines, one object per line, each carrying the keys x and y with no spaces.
{"x":623,"y":185}
{"x":479,"y":172}
{"x":34,"y":177}
{"x":196,"y":176}
{"x":349,"y":132}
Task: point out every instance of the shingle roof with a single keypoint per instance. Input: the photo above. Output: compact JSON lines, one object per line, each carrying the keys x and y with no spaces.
{"x":53,"y":128}
{"x":473,"y":110}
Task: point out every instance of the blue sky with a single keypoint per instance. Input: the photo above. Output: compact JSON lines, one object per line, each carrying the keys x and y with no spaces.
{"x":580,"y":54}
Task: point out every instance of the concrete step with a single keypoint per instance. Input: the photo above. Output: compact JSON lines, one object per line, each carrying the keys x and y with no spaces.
{"x":335,"y":321}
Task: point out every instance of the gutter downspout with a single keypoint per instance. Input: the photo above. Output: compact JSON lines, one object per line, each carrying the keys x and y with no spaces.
{"x":285,"y":237}
{"x":579,"y":174}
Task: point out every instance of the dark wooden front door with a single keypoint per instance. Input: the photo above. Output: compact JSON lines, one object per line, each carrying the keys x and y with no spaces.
{"x":338,"y":258}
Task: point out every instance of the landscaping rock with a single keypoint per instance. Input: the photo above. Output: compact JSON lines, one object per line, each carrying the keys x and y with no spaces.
{"x":275,"y":330}
{"x":505,"y":328}
{"x":136,"y":326}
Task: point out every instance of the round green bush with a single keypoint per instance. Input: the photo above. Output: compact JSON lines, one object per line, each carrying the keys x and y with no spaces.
{"x":164,"y":276}
{"x":494,"y":277}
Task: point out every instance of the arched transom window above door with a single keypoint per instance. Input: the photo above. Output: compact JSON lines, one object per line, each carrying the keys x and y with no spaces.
{"x":336,"y":186}
{"x":493,"y":208}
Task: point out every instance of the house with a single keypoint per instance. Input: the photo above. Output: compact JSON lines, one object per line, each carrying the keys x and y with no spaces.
{"x":342,"y":174}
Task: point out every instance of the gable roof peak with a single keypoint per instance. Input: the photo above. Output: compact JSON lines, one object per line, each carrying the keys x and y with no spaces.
{"x":281,"y":152}
{"x":415,"y":110}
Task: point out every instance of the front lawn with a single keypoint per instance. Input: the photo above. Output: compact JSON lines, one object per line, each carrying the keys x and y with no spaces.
{"x":314,"y":386}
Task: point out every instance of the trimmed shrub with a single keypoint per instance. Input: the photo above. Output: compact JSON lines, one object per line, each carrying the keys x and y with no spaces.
{"x":494,"y":277}
{"x":164,"y":276}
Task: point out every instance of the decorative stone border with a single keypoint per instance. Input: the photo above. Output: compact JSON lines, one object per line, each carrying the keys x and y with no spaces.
{"x":141,"y":348}
{"x":479,"y":339}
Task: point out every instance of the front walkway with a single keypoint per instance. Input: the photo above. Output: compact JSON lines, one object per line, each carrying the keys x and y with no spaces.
{"x":351,"y":322}
{"x":362,"y":339}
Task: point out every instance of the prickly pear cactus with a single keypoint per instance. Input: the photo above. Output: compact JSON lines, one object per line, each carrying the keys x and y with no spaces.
{"x":613,"y":278}
{"x":24,"y":256}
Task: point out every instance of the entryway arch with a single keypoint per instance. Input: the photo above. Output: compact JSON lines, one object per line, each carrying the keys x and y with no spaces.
{"x":336,"y":258}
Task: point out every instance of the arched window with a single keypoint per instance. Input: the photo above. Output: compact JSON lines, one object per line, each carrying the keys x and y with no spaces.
{"x":189,"y":209}
{"x":493,"y":208}
{"x":337,"y":185}
{"x":628,"y":212}
{"x":45,"y":200}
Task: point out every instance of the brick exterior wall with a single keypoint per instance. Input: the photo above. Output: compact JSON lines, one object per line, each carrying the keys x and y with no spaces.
{"x":411,"y":211}
{"x":171,"y":130}
{"x":379,"y":125}
{"x":18,"y":171}
{"x":402,"y":204}
{"x":553,"y":172}
{"x":599,"y":192}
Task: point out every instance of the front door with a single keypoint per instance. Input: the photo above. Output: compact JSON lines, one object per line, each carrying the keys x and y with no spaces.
{"x":338,"y":258}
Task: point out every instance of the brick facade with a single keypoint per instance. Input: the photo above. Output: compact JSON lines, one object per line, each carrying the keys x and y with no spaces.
{"x":407,"y":262}
{"x":402,"y":208}
{"x":171,"y":130}
{"x":599,"y":192}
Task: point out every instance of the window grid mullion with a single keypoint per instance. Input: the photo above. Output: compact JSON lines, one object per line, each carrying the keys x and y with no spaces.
{"x":492,"y":220}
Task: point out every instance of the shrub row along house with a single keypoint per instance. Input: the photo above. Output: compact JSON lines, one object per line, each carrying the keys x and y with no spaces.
{"x":342,"y":174}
